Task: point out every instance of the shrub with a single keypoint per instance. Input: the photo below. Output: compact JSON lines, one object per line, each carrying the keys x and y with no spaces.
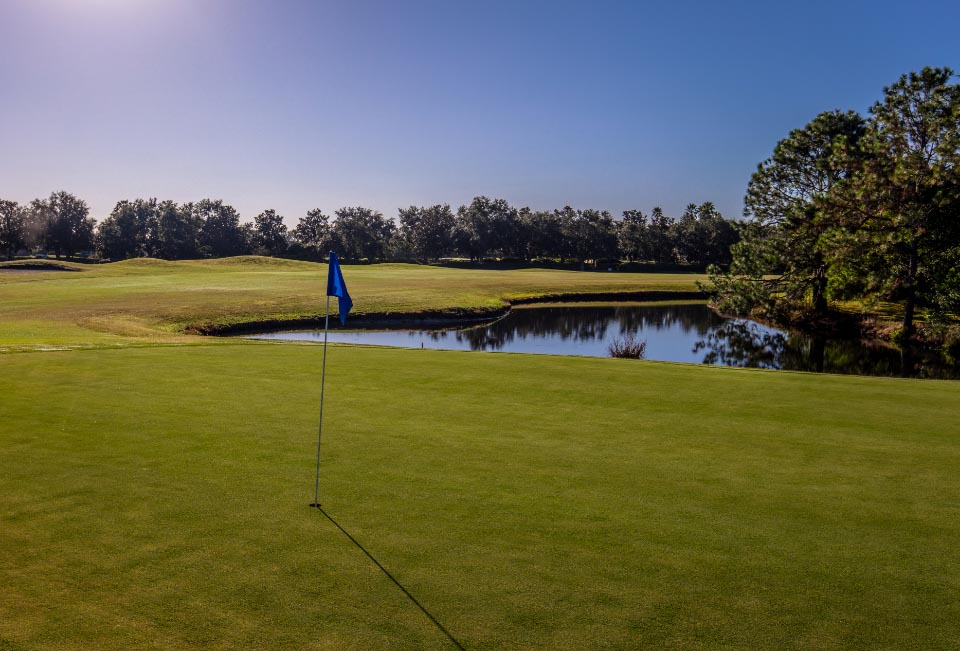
{"x":951,"y":347}
{"x":627,"y":346}
{"x":899,"y":336}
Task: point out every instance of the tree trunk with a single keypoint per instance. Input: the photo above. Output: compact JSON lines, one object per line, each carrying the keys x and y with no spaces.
{"x":818,"y":351}
{"x":911,"y":300}
{"x":820,"y":292}
{"x":906,"y":361}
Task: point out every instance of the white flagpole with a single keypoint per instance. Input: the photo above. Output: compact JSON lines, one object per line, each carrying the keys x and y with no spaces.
{"x":323,"y":380}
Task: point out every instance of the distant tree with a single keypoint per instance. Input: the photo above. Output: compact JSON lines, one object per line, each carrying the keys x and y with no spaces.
{"x":362,"y":233}
{"x":178,"y":231}
{"x":543,"y":234}
{"x":270,"y":233}
{"x":35,"y":218}
{"x":632,"y":237}
{"x":221,"y":234}
{"x":130,"y":231}
{"x":505,"y":229}
{"x":249,"y":233}
{"x":688,"y":237}
{"x":428,"y":230}
{"x":601,"y":235}
{"x":588,"y":234}
{"x":314,"y":236}
{"x":39,"y":216}
{"x":522,"y":234}
{"x":486,"y":227}
{"x":702,"y":236}
{"x":62,"y":223}
{"x":720,"y":235}
{"x":398,"y":248}
{"x":471,"y":234}
{"x":13,"y":230}
{"x":566,"y":218}
{"x":117,"y":237}
{"x":660,"y":236}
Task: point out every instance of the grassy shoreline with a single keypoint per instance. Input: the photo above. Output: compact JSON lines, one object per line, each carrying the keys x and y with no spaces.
{"x":250,"y":313}
{"x":155,"y":301}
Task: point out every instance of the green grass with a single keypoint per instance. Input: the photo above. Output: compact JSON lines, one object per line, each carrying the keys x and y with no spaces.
{"x":155,"y":496}
{"x":154,"y":301}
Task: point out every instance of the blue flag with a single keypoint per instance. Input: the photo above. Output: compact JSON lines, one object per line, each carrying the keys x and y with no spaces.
{"x":336,"y":287}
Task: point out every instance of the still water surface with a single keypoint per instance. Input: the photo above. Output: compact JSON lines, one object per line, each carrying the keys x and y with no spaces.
{"x":673,"y":332}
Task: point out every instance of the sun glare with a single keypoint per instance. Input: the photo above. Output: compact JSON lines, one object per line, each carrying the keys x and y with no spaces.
{"x":109,"y":10}
{"x":118,"y":7}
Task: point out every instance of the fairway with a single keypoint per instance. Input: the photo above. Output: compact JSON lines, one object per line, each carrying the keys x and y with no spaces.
{"x":142,"y":302}
{"x":156,"y":498}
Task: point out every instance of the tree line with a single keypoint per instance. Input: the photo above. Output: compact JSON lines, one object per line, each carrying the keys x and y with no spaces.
{"x":484,"y":229}
{"x":857,"y":208}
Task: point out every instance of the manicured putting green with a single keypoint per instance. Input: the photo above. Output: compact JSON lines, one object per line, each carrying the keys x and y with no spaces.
{"x":156,"y":498}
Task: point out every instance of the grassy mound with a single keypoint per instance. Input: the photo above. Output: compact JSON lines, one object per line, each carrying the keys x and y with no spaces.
{"x":255,"y":260}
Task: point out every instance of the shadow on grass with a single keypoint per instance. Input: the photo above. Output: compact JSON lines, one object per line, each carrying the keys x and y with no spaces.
{"x":426,"y":612}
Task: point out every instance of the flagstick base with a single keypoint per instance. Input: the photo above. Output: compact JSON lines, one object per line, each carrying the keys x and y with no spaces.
{"x":315,"y":505}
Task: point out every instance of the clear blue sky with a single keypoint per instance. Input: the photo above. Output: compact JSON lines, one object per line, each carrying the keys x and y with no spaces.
{"x":297,"y":104}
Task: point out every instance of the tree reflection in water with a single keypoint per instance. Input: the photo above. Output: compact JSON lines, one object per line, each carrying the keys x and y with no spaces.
{"x":721,"y":341}
{"x":744,"y":343}
{"x":673,"y":332}
{"x":585,"y":324}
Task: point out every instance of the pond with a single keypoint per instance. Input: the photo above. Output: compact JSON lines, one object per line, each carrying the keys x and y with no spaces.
{"x":676,"y":332}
